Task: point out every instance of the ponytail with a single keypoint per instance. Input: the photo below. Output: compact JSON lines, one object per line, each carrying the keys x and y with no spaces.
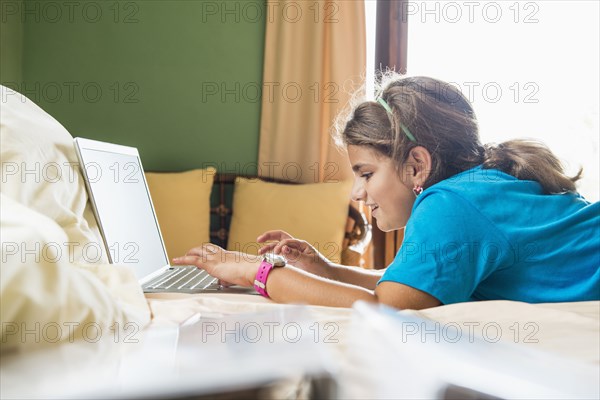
{"x":530,"y":160}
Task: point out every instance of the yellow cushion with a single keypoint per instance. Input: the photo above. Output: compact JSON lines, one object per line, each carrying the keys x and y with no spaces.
{"x":315,"y":212}
{"x":182,"y":204}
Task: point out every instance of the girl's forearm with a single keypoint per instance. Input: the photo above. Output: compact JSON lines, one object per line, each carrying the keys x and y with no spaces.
{"x":366,"y":278}
{"x":291,"y":285}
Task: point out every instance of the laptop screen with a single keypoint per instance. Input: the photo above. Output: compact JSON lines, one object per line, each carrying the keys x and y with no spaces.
{"x":123,"y":207}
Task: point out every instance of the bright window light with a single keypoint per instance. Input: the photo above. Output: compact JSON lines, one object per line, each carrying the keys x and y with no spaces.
{"x":370,"y":19}
{"x":530,"y":68}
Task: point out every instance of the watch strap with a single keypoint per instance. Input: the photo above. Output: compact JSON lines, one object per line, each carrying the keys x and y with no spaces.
{"x":260,"y":281}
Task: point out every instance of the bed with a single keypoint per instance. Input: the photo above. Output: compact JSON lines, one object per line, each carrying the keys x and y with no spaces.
{"x":47,"y":280}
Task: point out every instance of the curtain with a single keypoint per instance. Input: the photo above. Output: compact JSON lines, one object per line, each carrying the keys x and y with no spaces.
{"x":315,"y":54}
{"x":391,"y":44}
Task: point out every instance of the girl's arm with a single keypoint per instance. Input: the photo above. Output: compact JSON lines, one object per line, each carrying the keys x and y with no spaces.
{"x":292,"y":285}
{"x":366,"y":278}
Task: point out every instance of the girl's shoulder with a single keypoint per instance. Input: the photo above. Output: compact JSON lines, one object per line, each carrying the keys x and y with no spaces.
{"x":492,"y":195}
{"x":477,"y":185}
{"x":474,"y":177}
{"x":487,"y":185}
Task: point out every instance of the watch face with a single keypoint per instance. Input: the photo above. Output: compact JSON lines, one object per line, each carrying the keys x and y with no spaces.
{"x":275,"y":259}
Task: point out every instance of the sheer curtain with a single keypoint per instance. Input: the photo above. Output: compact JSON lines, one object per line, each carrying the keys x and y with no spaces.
{"x":314,"y":60}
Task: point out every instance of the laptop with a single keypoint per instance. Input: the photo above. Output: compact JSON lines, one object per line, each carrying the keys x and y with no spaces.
{"x":120,"y":198}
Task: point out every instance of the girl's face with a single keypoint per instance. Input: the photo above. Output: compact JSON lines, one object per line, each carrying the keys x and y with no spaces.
{"x":377,"y":183}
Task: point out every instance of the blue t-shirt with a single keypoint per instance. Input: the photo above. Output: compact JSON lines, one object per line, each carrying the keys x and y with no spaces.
{"x":486,"y":235}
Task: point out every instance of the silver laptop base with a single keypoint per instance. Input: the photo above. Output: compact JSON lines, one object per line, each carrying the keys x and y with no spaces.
{"x":189,"y":279}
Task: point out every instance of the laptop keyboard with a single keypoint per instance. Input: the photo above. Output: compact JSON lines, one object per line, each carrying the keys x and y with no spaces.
{"x":184,"y":278}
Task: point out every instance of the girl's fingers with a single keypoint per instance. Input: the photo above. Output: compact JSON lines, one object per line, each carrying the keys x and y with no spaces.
{"x":187,"y":260}
{"x":225,"y":283}
{"x":290,"y":253}
{"x":296,"y":244}
{"x":267,"y":248}
{"x":279,"y":246}
{"x":196,"y":251}
{"x":276,"y":235}
{"x":193,"y":250}
{"x":276,"y":247}
{"x":204,"y":251}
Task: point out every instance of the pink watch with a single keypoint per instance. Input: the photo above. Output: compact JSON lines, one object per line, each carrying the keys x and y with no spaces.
{"x":266,"y":266}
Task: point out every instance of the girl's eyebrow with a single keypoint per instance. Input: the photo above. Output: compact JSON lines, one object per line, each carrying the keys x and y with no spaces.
{"x":359,"y":166}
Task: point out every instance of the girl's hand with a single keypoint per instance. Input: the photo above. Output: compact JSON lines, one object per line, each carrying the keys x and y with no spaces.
{"x":230,"y":267}
{"x":298,"y":253}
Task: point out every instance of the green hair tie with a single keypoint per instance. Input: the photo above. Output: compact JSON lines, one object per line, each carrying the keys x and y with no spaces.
{"x":389,"y":111}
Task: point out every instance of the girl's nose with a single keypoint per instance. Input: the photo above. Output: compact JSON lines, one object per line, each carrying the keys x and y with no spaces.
{"x":358,"y":191}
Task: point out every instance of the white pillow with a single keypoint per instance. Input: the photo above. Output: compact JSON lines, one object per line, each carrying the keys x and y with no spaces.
{"x":40,"y":171}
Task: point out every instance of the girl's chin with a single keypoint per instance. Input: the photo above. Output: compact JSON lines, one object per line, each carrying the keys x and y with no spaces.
{"x":386,"y":227}
{"x":383,"y":226}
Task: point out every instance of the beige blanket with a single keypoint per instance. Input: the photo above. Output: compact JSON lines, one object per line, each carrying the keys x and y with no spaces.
{"x":55,"y":281}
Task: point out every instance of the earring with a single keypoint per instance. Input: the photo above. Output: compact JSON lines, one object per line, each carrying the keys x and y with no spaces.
{"x":417,"y":190}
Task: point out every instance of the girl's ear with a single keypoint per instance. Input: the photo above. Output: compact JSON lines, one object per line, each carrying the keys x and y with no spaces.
{"x":420,"y":159}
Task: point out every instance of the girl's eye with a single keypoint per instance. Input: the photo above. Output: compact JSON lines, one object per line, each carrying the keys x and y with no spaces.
{"x":367,"y":175}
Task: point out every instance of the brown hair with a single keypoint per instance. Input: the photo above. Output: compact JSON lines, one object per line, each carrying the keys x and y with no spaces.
{"x":442,"y":120}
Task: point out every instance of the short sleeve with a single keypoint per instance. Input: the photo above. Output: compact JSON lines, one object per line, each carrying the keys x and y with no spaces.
{"x":449,"y":248}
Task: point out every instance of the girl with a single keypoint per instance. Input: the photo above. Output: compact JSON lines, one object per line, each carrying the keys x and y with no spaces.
{"x":481,"y":222}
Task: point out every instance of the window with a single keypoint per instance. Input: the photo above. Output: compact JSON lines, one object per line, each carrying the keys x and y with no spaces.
{"x":530,"y":68}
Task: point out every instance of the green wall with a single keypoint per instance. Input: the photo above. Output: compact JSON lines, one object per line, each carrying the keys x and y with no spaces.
{"x":11,"y":42}
{"x":149,"y":74}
